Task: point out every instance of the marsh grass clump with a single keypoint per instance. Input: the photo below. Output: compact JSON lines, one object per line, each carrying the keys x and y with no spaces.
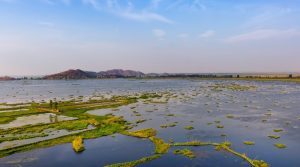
{"x":230,"y":116}
{"x":220,"y":126}
{"x":150,"y":95}
{"x":189,"y":128}
{"x":160,"y":146}
{"x":280,"y":146}
{"x":140,"y":121}
{"x":249,"y":142}
{"x":144,"y":133}
{"x":185,"y":152}
{"x":136,"y":162}
{"x":274,"y":137}
{"x":77,"y":144}
{"x":232,"y":87}
{"x":226,"y":146}
{"x":192,"y":143}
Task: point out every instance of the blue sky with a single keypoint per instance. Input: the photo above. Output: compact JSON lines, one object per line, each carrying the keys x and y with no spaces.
{"x":46,"y":36}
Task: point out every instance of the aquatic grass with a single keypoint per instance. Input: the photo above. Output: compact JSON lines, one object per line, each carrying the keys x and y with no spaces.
{"x":249,"y":142}
{"x":136,"y":162}
{"x":226,"y":147}
{"x":143,"y":133}
{"x":22,"y":137}
{"x":280,"y":146}
{"x":90,"y":134}
{"x":232,"y":87}
{"x":188,"y":128}
{"x":185,"y":152}
{"x":220,"y":126}
{"x":160,"y":146}
{"x":6,"y":117}
{"x":77,"y":144}
{"x":168,"y":125}
{"x":140,"y":121}
{"x":192,"y":143}
{"x":278,"y":130}
{"x":274,"y":137}
{"x":229,"y":116}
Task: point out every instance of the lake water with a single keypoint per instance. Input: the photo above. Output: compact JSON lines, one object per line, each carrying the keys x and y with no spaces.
{"x":194,"y":104}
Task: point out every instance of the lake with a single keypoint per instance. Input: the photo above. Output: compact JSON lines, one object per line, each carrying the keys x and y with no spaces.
{"x":218,"y":111}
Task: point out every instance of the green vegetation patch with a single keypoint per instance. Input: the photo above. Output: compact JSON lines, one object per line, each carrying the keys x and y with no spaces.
{"x":274,"y":137}
{"x":143,"y":133}
{"x":220,"y":126}
{"x":232,"y":87}
{"x":189,"y":128}
{"x":77,"y":144}
{"x":249,"y":142}
{"x":168,"y":125}
{"x":95,"y":133}
{"x":185,"y":152}
{"x":136,"y":162}
{"x":281,"y":146}
{"x":193,"y":143}
{"x":160,"y":146}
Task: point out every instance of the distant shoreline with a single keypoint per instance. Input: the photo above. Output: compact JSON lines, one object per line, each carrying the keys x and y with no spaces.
{"x":130,"y":74}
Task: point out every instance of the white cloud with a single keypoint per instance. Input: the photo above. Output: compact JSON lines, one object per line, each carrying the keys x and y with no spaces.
{"x":144,"y":16}
{"x":263,"y":34}
{"x":267,"y":16}
{"x":194,"y":5}
{"x":158,"y":33}
{"x":127,"y":11}
{"x":208,"y":33}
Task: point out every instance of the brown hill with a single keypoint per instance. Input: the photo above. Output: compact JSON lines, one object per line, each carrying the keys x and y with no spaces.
{"x":70,"y":74}
{"x":6,"y":78}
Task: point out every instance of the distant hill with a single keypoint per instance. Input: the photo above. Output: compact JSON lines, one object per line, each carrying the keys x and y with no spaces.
{"x":6,"y":78}
{"x":118,"y":73}
{"x":70,"y":74}
{"x":80,"y":74}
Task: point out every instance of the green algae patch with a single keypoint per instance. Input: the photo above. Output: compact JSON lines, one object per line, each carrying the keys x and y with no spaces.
{"x":280,"y":146}
{"x":77,"y":144}
{"x":140,"y":121}
{"x":232,"y":87}
{"x":22,"y":137}
{"x":249,"y":142}
{"x":136,"y":162}
{"x":168,"y":125}
{"x":7,"y":117}
{"x":193,"y":143}
{"x":143,"y":133}
{"x":160,"y":146}
{"x":220,"y":126}
{"x":274,"y":137}
{"x":230,"y":116}
{"x":278,"y":130}
{"x":226,"y":147}
{"x":185,"y":152}
{"x":188,"y":128}
{"x":91,"y":134}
